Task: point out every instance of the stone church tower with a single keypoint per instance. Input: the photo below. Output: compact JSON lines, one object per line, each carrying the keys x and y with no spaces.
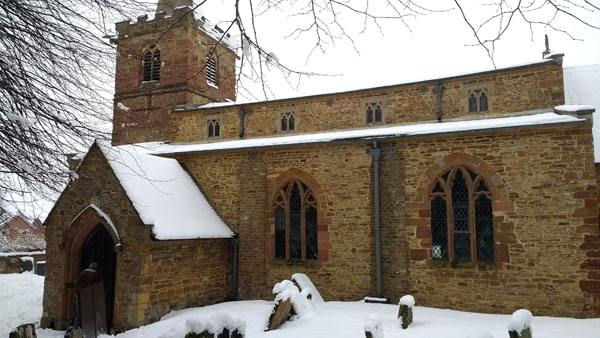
{"x":172,"y":60}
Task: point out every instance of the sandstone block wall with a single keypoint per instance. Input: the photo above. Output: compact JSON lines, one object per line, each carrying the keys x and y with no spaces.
{"x":544,"y":186}
{"x":241,"y":186}
{"x":533,"y":87}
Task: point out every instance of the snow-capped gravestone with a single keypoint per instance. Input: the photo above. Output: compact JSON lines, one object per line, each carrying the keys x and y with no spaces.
{"x":220,"y":325}
{"x":303,"y":282}
{"x":519,"y":325}
{"x":373,"y":326}
{"x":405,"y":313}
{"x":289,"y":304}
{"x":23,"y":331}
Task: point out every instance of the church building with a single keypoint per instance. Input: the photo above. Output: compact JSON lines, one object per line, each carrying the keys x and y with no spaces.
{"x":474,"y":192}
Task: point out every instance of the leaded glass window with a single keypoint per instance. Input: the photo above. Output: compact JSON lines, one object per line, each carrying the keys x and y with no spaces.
{"x":462,"y":227}
{"x":296,"y":221}
{"x":213,"y":127}
{"x":151,"y":65}
{"x":478,"y":100}
{"x":374,"y":112}
{"x":483,"y":102}
{"x":288,"y":121}
{"x":472,"y":103}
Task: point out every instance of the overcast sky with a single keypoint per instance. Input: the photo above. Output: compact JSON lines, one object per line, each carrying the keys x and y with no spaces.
{"x":433,"y":45}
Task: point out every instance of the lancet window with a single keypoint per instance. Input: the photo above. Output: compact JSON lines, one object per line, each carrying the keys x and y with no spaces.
{"x":151,"y":65}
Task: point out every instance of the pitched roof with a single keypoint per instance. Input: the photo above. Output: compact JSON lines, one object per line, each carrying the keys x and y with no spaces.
{"x":164,"y":195}
{"x":368,"y":133}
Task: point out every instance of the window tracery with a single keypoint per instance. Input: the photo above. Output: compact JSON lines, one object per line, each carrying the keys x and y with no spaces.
{"x":295,"y":210}
{"x":151,"y":65}
{"x":462,"y":226}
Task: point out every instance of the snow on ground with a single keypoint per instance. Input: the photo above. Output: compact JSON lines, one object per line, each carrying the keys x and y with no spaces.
{"x":21,"y":302}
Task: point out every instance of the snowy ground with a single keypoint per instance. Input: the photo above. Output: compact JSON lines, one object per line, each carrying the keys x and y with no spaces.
{"x":21,"y":301}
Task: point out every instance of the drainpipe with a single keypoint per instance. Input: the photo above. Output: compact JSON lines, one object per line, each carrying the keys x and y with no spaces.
{"x":234,"y":273}
{"x":375,"y":154}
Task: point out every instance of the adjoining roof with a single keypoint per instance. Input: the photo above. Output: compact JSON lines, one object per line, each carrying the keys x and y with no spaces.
{"x":582,"y":87}
{"x":165,"y":195}
{"x":368,"y":133}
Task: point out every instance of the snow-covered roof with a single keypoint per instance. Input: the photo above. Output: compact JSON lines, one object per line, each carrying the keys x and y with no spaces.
{"x":582,"y":87}
{"x":165,"y":195}
{"x":369,"y":133}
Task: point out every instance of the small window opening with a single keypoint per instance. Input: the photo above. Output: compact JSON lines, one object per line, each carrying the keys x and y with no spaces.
{"x":211,"y":71}
{"x":151,"y":65}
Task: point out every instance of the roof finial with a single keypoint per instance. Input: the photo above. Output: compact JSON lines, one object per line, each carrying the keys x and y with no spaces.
{"x":548,"y":51}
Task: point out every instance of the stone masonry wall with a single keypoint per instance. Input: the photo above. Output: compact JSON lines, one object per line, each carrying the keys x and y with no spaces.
{"x":534,"y":87}
{"x":184,"y":47}
{"x":147,"y":271}
{"x":340,"y":177}
{"x":544,"y":187}
{"x":183,"y":274}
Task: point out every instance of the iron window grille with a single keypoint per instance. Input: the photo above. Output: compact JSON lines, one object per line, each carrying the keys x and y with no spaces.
{"x":462,"y":227}
{"x":295,"y":210}
{"x":151,"y":65}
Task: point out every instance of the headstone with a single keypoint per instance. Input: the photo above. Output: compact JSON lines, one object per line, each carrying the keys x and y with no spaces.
{"x":280,"y":315}
{"x":23,"y":331}
{"x":519,"y":325}
{"x":373,"y":326}
{"x":405,"y":313}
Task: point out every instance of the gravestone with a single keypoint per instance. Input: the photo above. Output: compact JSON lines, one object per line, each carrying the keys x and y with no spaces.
{"x":280,"y":315}
{"x":23,"y":331}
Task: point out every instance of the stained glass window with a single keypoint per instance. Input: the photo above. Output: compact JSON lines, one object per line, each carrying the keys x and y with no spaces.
{"x":470,"y":228}
{"x":369,"y":115}
{"x":378,"y":114}
{"x":296,"y":223}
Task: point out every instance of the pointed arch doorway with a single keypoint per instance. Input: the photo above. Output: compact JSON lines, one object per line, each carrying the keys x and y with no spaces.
{"x":99,"y":247}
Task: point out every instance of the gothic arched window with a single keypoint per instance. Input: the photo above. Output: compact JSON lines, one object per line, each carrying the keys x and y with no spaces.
{"x":462,"y":227}
{"x":151,"y":65}
{"x":295,"y":211}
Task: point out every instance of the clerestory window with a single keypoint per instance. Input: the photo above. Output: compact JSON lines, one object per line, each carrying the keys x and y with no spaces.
{"x":478,"y":100}
{"x":295,"y":209}
{"x":213,"y":127}
{"x":462,"y":227}
{"x":288,"y":121}
{"x":151,"y":65}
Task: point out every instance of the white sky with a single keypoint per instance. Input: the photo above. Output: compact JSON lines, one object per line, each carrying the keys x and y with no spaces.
{"x":437,"y":44}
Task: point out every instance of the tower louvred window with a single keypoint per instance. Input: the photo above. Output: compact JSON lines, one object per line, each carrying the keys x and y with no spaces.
{"x":151,"y":65}
{"x":211,"y":71}
{"x":462,"y":227}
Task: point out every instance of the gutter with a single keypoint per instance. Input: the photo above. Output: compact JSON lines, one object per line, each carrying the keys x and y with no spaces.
{"x":234,"y":273}
{"x":376,"y":154}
